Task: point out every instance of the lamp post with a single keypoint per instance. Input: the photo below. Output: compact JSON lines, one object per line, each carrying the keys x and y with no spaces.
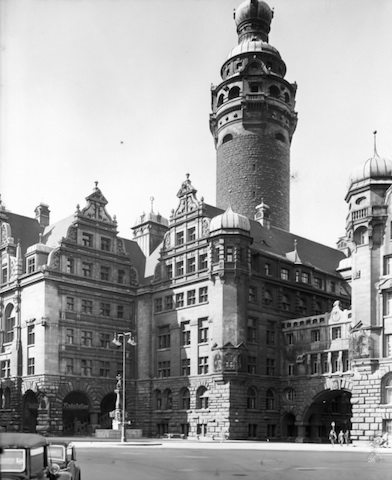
{"x":118,"y":343}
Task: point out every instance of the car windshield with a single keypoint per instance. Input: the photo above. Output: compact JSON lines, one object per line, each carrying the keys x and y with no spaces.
{"x":13,"y":460}
{"x":56,"y":452}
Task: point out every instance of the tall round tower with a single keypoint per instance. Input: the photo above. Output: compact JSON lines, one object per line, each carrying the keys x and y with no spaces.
{"x":253,"y":121}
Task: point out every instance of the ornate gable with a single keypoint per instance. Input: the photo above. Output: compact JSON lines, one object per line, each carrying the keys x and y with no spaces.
{"x":95,"y":207}
{"x":187,"y":195}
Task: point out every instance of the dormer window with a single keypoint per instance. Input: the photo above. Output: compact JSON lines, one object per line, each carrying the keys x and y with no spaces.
{"x":31,"y":265}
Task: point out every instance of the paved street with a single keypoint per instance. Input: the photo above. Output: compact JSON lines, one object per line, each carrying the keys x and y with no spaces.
{"x":198,"y":461}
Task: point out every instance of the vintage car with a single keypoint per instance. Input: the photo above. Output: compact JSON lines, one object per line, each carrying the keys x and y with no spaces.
{"x":63,"y":454}
{"x":25,"y":456}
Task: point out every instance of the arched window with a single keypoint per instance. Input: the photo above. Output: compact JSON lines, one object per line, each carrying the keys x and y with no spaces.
{"x":168,"y":399}
{"x":280,"y":137}
{"x":360,"y":236}
{"x":388,"y":390}
{"x":202,"y":397}
{"x":302,"y":306}
{"x":252,"y":398}
{"x":234,"y":93}
{"x":291,"y":394}
{"x":185,"y":399}
{"x":157,"y":400}
{"x":274,"y":91}
{"x":220,"y":99}
{"x":287,"y":97}
{"x":9,"y":324}
{"x":227,"y":138}
{"x":270,"y":400}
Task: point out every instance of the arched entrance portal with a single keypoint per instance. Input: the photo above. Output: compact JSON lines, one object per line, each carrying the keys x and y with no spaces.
{"x":108,"y":405}
{"x":30,"y":412}
{"x":76,"y":417}
{"x":332,"y":407}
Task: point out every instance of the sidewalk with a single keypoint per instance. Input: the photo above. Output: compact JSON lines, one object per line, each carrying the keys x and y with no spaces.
{"x":90,"y":442}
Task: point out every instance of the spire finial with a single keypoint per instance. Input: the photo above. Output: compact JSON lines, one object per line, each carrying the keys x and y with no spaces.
{"x":375,"y":143}
{"x":152,"y":204}
{"x":96,"y":184}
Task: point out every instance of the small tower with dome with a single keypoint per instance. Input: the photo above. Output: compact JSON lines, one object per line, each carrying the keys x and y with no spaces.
{"x":367,"y":228}
{"x":253,"y":121}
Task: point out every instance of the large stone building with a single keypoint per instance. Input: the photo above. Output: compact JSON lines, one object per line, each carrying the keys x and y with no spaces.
{"x":243,"y":328}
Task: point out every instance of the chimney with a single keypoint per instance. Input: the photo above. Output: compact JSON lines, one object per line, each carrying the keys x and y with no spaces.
{"x":42,"y":214}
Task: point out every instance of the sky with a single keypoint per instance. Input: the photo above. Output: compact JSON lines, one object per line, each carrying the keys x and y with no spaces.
{"x":118,"y":91}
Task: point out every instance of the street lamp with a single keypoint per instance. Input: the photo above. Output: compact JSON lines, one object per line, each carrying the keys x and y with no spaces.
{"x":116,"y":341}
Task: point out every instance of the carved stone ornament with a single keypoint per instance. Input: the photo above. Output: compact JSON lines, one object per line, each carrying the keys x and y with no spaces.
{"x":134,"y":277}
{"x":360,"y":344}
{"x":205,"y":227}
{"x":5,"y":233}
{"x":157,"y":273}
{"x":167,"y":241}
{"x":72,"y":234}
{"x":54,"y":260}
{"x":120,"y":247}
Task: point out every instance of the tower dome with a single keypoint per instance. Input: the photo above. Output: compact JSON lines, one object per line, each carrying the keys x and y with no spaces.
{"x":256,"y":14}
{"x":374,"y":168}
{"x":230,"y":220}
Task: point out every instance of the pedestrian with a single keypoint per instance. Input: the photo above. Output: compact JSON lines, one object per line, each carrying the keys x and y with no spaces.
{"x":332,"y":437}
{"x":347,"y":437}
{"x":341,"y":438}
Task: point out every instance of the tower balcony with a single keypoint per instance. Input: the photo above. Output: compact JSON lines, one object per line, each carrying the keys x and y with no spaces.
{"x":375,"y":212}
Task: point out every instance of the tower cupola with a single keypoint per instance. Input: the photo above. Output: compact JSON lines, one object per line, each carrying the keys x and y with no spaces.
{"x":253,"y":20}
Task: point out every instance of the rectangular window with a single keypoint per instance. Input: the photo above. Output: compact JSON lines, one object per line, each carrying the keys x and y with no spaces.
{"x":31,"y":335}
{"x":163,"y":369}
{"x":105,"y":244}
{"x":86,"y":368}
{"x":179,"y":268}
{"x":388,"y":265}
{"x":191,"y":234}
{"x":318,"y":282}
{"x":191,"y":266}
{"x":121,"y":277}
{"x":289,"y":339}
{"x":70,"y":265}
{"x":70,"y":304}
{"x":5,"y":371}
{"x":388,"y":303}
{"x":164,"y":337}
{"x":4,"y":275}
{"x":270,"y":366}
{"x":252,"y":330}
{"x":252,"y":362}
{"x":315,"y":335}
{"x":203,"y":294}
{"x":203,"y":330}
{"x":87,"y":269}
{"x":191,"y":297}
{"x":284,"y":274}
{"x":336,"y":333}
{"x":105,"y":273}
{"x":333,"y":287}
{"x":87,"y":239}
{"x":305,"y":277}
{"x":203,"y":261}
{"x":185,"y":366}
{"x":69,"y":366}
{"x":290,"y":369}
{"x":179,"y":238}
{"x":252,"y":295}
{"x":179,"y":300}
{"x":158,"y":305}
{"x":185,"y":333}
{"x":229,"y":254}
{"x":203,"y":366}
{"x":30,"y":366}
{"x":169,"y":302}
{"x":87,"y":338}
{"x":31,"y":265}
{"x":104,"y":340}
{"x":270,"y":337}
{"x":70,"y":336}
{"x":105,"y":309}
{"x":104,"y":369}
{"x":120,"y":311}
{"x":169,"y":270}
{"x":87,"y":306}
